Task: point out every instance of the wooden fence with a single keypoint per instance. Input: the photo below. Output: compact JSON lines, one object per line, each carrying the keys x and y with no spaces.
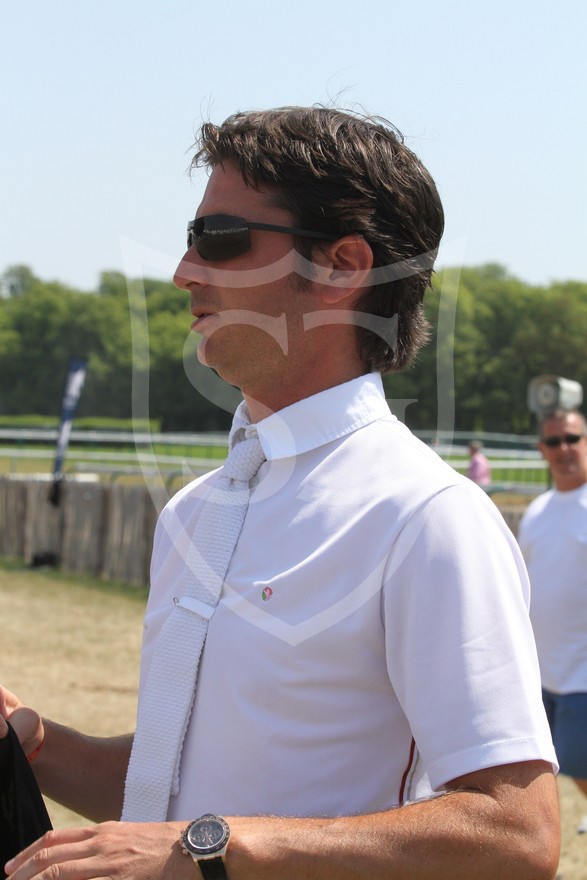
{"x":104,"y":530}
{"x":97,"y":529}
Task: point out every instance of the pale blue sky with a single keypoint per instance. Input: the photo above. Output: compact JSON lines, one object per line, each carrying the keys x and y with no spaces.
{"x":99,"y":100}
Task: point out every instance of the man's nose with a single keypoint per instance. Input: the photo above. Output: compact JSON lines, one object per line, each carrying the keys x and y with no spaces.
{"x":189,"y":271}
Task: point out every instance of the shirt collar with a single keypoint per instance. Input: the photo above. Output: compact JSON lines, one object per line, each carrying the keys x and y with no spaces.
{"x":316,"y":420}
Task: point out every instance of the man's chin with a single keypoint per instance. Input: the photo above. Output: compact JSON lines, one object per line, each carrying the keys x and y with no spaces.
{"x":211,"y":359}
{"x":201,"y":352}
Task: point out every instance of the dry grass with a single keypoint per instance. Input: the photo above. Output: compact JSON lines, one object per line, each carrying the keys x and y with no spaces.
{"x":573,"y":862}
{"x":71,"y":649}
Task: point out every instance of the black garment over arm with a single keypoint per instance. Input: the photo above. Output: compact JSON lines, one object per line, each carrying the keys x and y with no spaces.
{"x":23,"y":815}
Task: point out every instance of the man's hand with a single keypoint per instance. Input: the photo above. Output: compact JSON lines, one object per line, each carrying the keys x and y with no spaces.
{"x":113,"y":850}
{"x":84,"y":773}
{"x":26,"y":722}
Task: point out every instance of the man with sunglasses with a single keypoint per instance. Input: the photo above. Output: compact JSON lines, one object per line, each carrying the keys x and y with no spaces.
{"x":553,"y":539}
{"x":368,"y":699}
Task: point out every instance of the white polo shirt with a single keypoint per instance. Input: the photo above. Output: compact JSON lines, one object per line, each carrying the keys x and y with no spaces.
{"x":553,"y":539}
{"x":372,"y":640}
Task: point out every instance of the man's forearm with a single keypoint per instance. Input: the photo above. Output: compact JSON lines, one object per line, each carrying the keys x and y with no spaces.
{"x":500,"y":822}
{"x":84,"y":773}
{"x":461,"y":834}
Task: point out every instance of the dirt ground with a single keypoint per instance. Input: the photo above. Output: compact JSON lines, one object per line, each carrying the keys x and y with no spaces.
{"x":70,"y":648}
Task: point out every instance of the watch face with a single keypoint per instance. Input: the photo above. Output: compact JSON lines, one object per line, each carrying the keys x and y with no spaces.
{"x":208,"y":834}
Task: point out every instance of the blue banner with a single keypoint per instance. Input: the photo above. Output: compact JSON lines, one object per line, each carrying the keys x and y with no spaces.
{"x":74,"y":383}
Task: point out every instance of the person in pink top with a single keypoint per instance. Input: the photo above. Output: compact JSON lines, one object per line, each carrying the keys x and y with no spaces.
{"x":479,"y":469}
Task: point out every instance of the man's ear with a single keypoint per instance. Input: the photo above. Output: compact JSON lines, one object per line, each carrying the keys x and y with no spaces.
{"x":344,"y":268}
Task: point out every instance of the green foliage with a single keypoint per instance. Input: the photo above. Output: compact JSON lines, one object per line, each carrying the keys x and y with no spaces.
{"x":132,"y":333}
{"x":97,"y":423}
{"x":491,"y":334}
{"x":29,"y":421}
{"x":16,"y":281}
{"x":89,"y":423}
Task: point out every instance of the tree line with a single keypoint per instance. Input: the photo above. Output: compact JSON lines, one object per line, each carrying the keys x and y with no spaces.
{"x":491,"y":334}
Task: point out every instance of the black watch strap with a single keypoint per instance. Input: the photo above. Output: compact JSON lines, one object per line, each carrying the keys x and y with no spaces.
{"x":212,"y":869}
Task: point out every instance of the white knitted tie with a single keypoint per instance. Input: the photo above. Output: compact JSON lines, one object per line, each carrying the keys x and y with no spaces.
{"x":153,"y":770}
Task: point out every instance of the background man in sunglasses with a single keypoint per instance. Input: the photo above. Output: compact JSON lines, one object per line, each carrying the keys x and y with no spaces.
{"x":372,"y":644}
{"x":553,"y":538}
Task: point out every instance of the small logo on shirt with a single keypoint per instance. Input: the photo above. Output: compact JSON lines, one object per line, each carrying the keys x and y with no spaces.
{"x":266,"y":594}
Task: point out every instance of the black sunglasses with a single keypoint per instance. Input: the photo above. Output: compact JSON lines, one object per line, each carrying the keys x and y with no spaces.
{"x":570,"y":439}
{"x":222,"y":237}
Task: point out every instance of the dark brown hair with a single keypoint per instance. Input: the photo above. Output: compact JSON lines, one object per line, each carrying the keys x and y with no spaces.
{"x":342,"y":173}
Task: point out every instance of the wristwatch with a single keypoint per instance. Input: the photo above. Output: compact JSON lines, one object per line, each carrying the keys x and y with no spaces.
{"x":205,"y":840}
